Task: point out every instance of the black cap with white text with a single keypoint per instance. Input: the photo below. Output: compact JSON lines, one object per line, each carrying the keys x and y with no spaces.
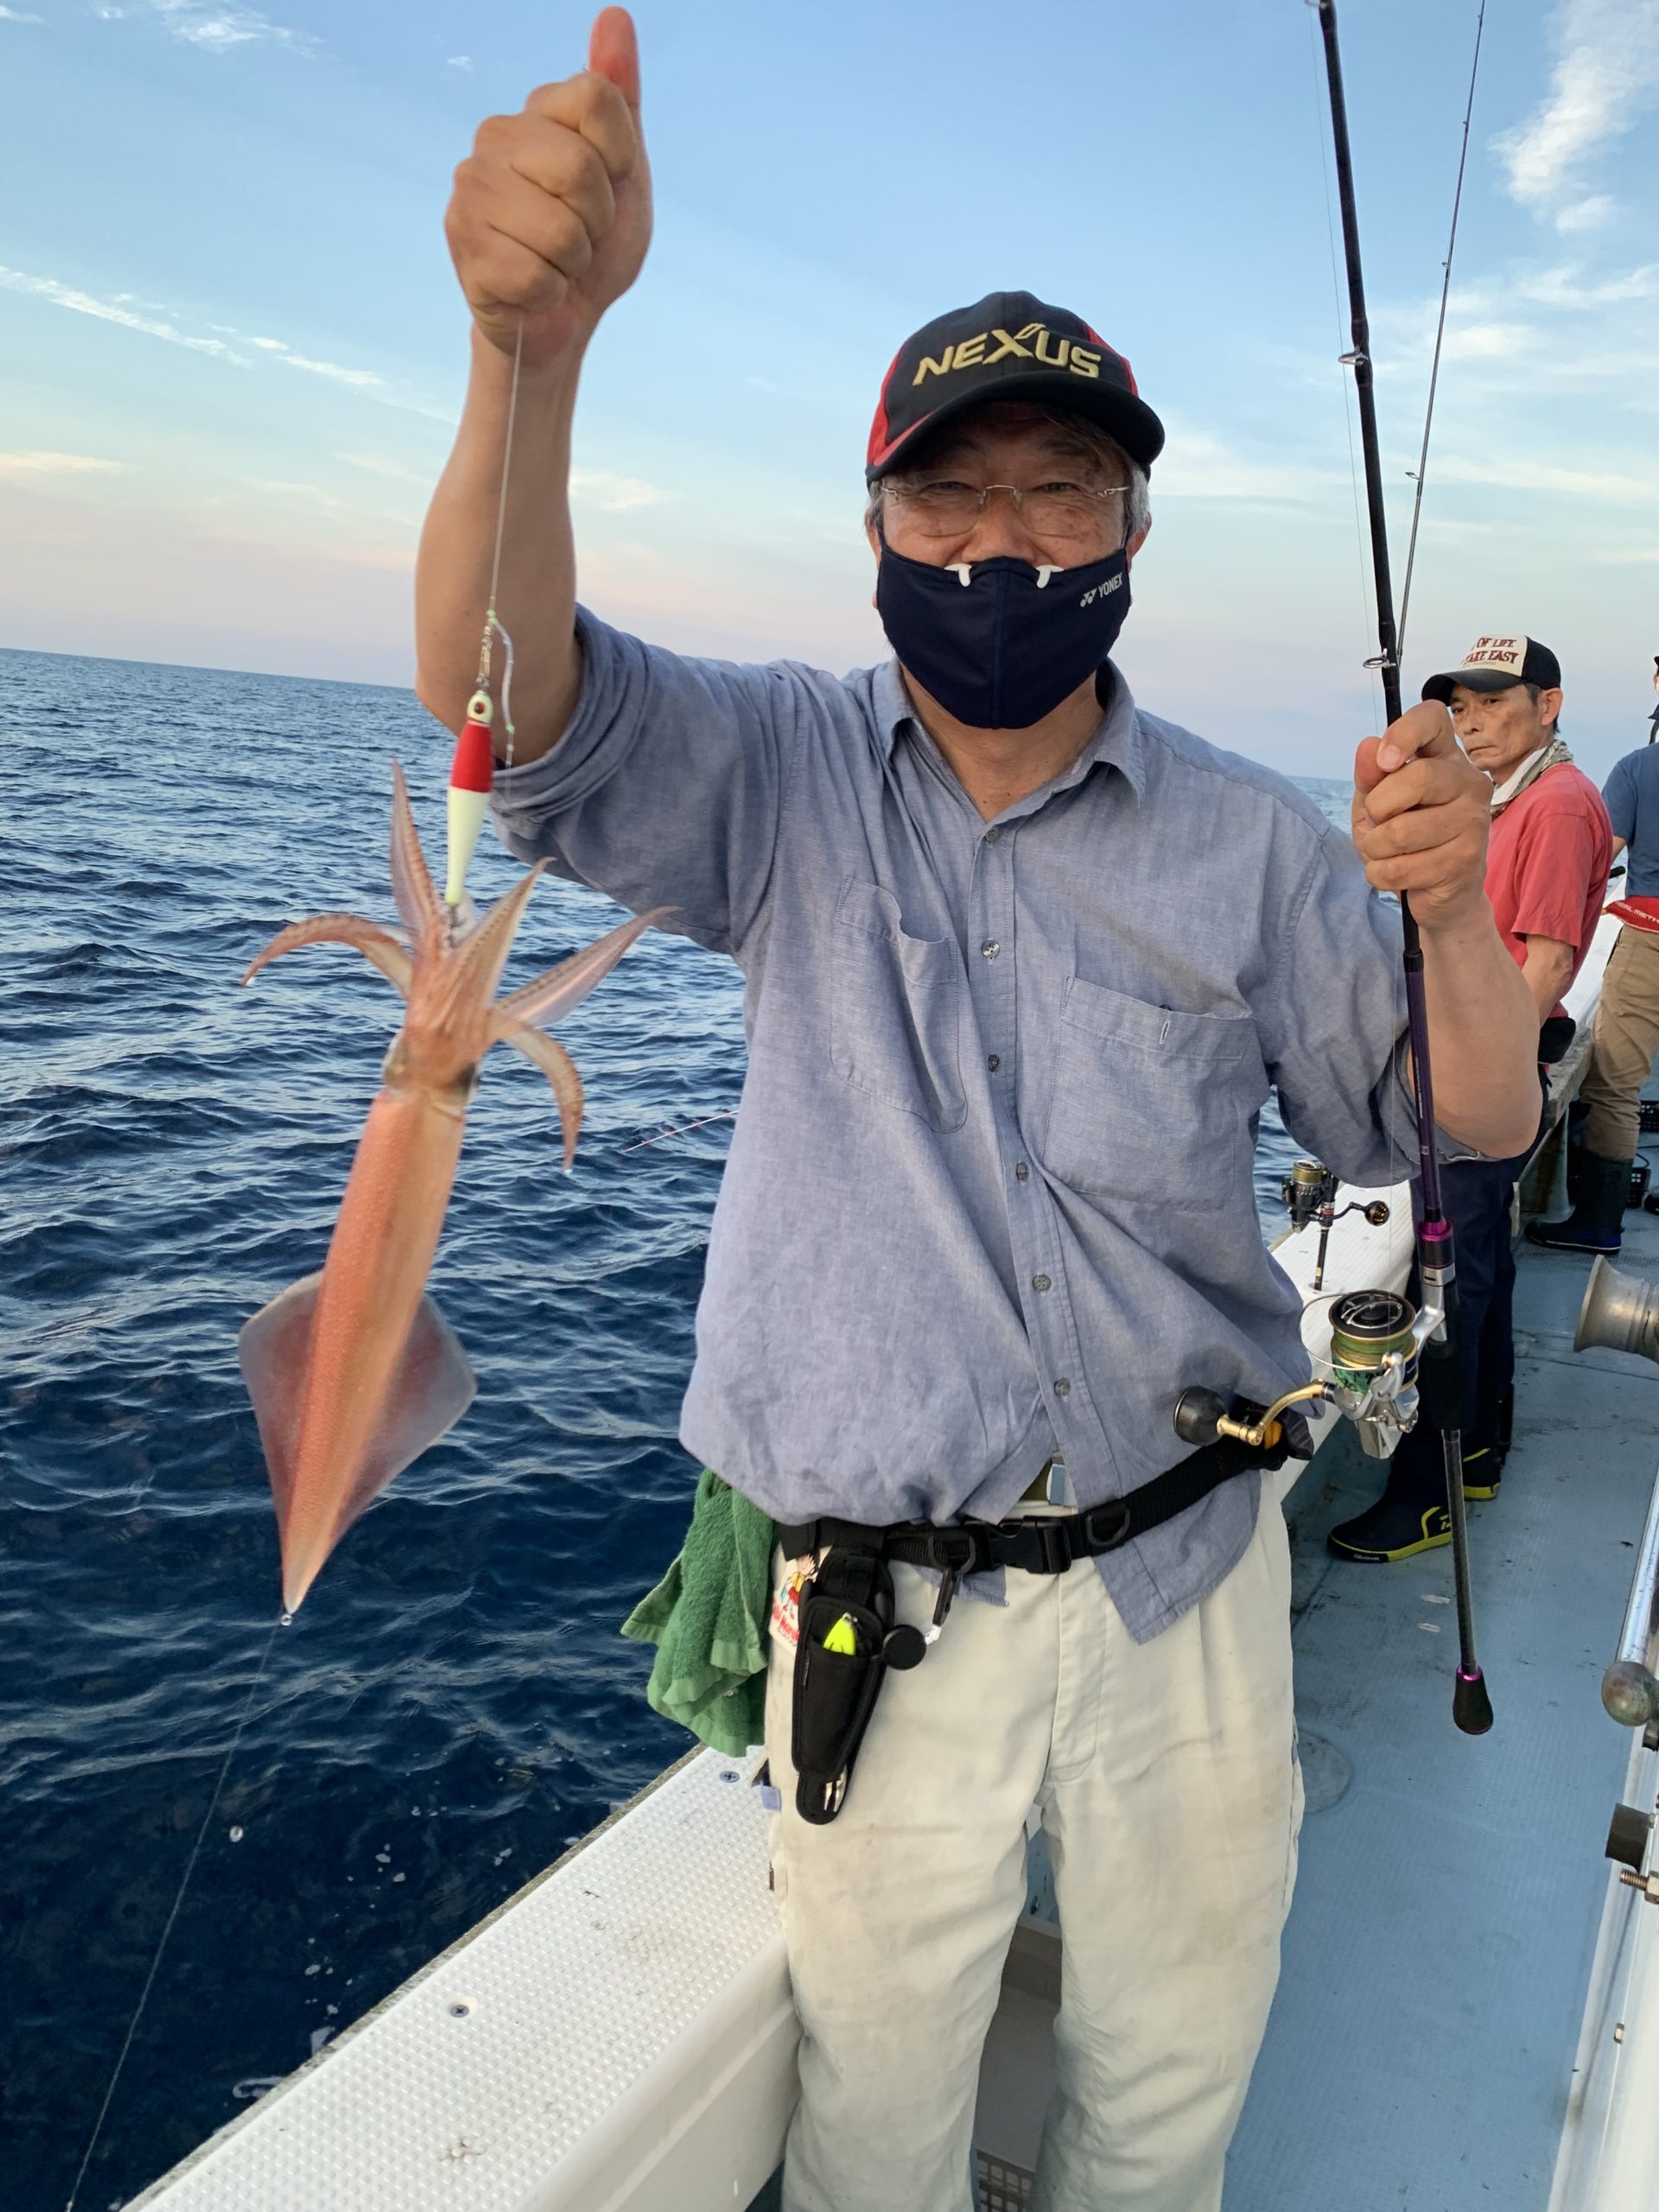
{"x":1007,"y":345}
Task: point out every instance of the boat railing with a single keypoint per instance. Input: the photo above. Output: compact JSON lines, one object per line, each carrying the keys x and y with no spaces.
{"x":1628,"y":1688}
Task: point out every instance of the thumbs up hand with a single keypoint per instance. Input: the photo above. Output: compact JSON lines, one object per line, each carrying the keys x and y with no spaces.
{"x":550,"y":215}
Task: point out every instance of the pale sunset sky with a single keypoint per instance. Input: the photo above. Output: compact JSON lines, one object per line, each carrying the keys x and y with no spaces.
{"x":231,"y":348}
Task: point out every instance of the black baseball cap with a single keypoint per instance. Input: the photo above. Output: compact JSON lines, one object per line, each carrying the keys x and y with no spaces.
{"x":1007,"y":345}
{"x":1494,"y":663}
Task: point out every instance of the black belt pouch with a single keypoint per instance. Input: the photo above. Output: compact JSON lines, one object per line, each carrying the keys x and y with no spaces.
{"x":835,"y":1691}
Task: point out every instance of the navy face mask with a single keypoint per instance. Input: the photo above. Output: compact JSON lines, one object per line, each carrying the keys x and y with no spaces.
{"x":1000,"y":643}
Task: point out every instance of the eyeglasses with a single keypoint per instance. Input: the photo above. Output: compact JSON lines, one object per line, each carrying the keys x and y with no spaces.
{"x":942,"y":507}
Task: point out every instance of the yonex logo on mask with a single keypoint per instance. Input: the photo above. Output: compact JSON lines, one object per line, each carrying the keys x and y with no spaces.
{"x":1100,"y":591}
{"x":1053,"y":352}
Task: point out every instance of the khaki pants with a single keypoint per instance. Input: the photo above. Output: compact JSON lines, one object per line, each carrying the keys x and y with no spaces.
{"x":1168,"y":1788}
{"x":1627,"y":1039}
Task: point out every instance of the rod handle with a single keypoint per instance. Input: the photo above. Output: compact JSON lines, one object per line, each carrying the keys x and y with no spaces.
{"x":1471,"y":1706}
{"x":1439,"y":1373}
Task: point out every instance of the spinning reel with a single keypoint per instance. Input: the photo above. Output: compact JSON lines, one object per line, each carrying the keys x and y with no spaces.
{"x":1369,"y":1370}
{"x":1368,"y":1374}
{"x":1309,"y":1192}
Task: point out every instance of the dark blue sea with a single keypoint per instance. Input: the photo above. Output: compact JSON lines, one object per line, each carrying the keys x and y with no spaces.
{"x":454,"y":1706}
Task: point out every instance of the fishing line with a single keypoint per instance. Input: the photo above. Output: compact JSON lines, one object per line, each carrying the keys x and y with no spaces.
{"x":685,"y":1129}
{"x":493,"y":627}
{"x":1361,"y":578}
{"x":1439,"y":334}
{"x":166,"y":1931}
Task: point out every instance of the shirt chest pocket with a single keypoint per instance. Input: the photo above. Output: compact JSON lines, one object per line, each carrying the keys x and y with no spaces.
{"x":897,"y":1009}
{"x":1150,"y":1107}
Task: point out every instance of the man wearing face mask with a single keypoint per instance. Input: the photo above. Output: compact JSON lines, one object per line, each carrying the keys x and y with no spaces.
{"x":1021,"y":963}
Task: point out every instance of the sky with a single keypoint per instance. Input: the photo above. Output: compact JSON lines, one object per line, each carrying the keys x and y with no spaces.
{"x":233,"y":350}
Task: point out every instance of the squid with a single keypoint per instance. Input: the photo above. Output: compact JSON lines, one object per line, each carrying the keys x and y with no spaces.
{"x":352,"y":1371}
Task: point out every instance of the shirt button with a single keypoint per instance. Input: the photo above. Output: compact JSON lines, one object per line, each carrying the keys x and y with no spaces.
{"x":990,"y":948}
{"x":991,"y":836}
{"x":1021,"y":1172}
{"x":1063,"y":1388}
{"x":994,"y":1063}
{"x":1041,"y":1282}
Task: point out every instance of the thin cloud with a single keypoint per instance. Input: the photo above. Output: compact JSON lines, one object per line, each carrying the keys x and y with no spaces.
{"x":1529,"y":475}
{"x":1195,"y":466}
{"x":362,"y":379}
{"x":459,"y":61}
{"x":1561,"y":288}
{"x":377,"y":464}
{"x":1605,"y":79}
{"x":284,"y":352}
{"x":26,"y":467}
{"x":1487,"y":341}
{"x":218,"y":29}
{"x":222,"y":346}
{"x":79,"y":303}
{"x":616,"y":495}
{"x":16,"y":16}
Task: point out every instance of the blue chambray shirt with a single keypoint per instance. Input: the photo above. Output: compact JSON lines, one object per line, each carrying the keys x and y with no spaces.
{"x":988,"y":1197}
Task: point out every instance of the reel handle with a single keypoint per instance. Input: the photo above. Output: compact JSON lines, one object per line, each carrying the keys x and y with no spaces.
{"x":1199,"y":1415}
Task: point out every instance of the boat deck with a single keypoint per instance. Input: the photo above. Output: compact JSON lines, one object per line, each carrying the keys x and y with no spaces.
{"x":1437,"y":1953}
{"x":1449,"y":1889}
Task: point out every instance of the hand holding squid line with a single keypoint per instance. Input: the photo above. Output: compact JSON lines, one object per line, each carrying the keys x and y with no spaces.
{"x":354,"y":1372}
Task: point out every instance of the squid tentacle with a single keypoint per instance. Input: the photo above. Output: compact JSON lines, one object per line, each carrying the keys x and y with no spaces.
{"x":411,"y":881}
{"x":547,"y":996}
{"x":557,"y":1064}
{"x":387,"y":953}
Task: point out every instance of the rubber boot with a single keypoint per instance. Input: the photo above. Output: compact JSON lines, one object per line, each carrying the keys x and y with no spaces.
{"x":1483,"y":1464}
{"x":1596,"y":1222}
{"x":1487,"y":1449}
{"x":1410,"y":1517}
{"x":1577,"y":1114}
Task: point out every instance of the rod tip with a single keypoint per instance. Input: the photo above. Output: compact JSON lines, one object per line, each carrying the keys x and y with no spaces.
{"x":1471,"y":1706}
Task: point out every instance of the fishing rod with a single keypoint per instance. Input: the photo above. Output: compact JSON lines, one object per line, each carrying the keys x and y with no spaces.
{"x":1440,"y":1366}
{"x":1420,"y":473}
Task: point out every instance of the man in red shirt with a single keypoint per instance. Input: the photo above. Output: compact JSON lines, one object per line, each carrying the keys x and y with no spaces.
{"x":1546,"y":864}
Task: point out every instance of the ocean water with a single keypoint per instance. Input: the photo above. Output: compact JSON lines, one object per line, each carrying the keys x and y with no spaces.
{"x":454,"y":1706}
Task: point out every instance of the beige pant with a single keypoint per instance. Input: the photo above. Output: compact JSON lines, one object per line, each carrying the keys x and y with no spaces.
{"x":1627,"y":1039}
{"x":1166,"y":1780}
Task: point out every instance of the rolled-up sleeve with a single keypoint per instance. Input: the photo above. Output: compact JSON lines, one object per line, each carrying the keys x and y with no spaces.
{"x":666,"y":788}
{"x":1340,"y":1060}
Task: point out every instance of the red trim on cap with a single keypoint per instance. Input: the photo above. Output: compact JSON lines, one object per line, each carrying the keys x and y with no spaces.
{"x":1121,"y":360}
{"x":881,"y":444}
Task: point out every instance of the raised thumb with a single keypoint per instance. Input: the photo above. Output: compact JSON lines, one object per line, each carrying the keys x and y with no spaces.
{"x":614,"y":52}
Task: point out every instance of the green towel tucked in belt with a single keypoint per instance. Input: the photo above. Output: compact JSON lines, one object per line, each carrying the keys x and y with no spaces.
{"x":708,"y":1619}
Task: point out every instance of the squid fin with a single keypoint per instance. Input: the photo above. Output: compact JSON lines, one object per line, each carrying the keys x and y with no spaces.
{"x":433,"y":1387}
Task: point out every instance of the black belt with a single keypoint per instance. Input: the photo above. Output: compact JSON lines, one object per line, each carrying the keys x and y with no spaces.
{"x":1045,"y":1545}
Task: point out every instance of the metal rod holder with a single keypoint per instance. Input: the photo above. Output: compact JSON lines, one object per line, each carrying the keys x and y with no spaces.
{"x":1628,"y":1688}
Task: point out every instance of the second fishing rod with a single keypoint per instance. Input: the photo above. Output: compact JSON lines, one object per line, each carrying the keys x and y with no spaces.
{"x":1441,"y":1372}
